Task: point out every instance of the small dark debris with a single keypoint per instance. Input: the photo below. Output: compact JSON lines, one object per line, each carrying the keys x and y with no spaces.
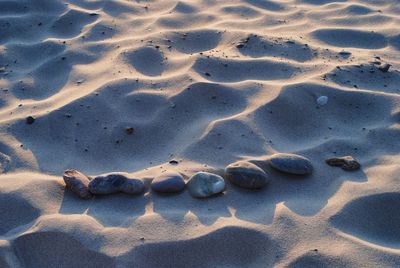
{"x":347,"y":163}
{"x":129,"y":130}
{"x":174,"y":162}
{"x":30,"y":120}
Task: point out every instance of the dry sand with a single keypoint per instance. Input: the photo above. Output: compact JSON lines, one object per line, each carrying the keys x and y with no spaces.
{"x":205,"y":82}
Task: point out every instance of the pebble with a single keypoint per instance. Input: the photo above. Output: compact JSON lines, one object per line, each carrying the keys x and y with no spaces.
{"x":114,"y":183}
{"x":204,"y":184}
{"x":321,"y":101}
{"x":129,"y":130}
{"x":291,"y":163}
{"x":174,"y":162}
{"x":30,"y":120}
{"x":345,"y":162}
{"x":246,"y":175}
{"x":168,"y":182}
{"x":77,"y":182}
{"x":132,"y":186}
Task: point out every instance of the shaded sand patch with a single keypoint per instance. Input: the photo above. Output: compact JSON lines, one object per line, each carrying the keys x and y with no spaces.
{"x":366,"y":76}
{"x":222,"y":70}
{"x":318,"y":260}
{"x":256,"y":46}
{"x":351,"y":38}
{"x":195,"y":41}
{"x":148,"y":61}
{"x":373,"y":218}
{"x":15,"y":211}
{"x":266,"y":4}
{"x":228,"y":246}
{"x":56,"y":249}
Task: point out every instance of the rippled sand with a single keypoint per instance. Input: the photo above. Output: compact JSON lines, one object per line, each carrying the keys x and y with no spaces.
{"x":204,"y":82}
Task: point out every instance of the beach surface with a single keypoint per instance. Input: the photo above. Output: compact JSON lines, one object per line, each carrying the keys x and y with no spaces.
{"x":147,"y":86}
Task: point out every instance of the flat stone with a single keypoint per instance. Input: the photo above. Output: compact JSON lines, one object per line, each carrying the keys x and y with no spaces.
{"x":291,"y":163}
{"x":168,"y":182}
{"x":132,"y":186}
{"x":77,"y":182}
{"x":322,"y":100}
{"x":246,"y":175}
{"x":114,"y":183}
{"x":204,"y":184}
{"x":345,"y":162}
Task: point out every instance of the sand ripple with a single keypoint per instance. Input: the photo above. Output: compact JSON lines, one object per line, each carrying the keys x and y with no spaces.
{"x":207,"y":83}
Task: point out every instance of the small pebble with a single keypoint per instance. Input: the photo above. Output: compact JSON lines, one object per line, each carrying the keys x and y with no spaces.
{"x":246,"y":175}
{"x":321,"y":101}
{"x":129,"y":130}
{"x":204,"y":184}
{"x":168,"y":182}
{"x":291,"y":163}
{"x":347,"y":163}
{"x":174,"y":162}
{"x":78,"y":183}
{"x":30,"y":120}
{"x":114,"y":183}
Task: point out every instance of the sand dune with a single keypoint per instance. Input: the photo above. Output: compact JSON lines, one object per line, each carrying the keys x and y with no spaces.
{"x":205,"y":83}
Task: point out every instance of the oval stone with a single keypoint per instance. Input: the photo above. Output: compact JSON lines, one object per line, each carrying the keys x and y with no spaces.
{"x":321,"y":101}
{"x":109,"y":184}
{"x":246,"y":175}
{"x":204,"y":184}
{"x":77,"y":182}
{"x":132,"y":186}
{"x":291,"y":163}
{"x":168,"y":182}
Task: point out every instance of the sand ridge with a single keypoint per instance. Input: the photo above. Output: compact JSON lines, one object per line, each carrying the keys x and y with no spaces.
{"x":206,"y":83}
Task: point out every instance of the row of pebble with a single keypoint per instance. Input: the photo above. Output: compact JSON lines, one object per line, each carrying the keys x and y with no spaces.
{"x":202,"y":184}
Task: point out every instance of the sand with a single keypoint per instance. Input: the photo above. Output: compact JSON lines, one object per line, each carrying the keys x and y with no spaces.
{"x":206,"y":83}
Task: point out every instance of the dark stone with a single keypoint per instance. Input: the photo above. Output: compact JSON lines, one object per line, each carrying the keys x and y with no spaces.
{"x":30,"y":120}
{"x":129,"y":130}
{"x":246,"y":175}
{"x":132,"y":186}
{"x":168,"y":182}
{"x":291,"y":163}
{"x":114,"y":183}
{"x":345,"y":162}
